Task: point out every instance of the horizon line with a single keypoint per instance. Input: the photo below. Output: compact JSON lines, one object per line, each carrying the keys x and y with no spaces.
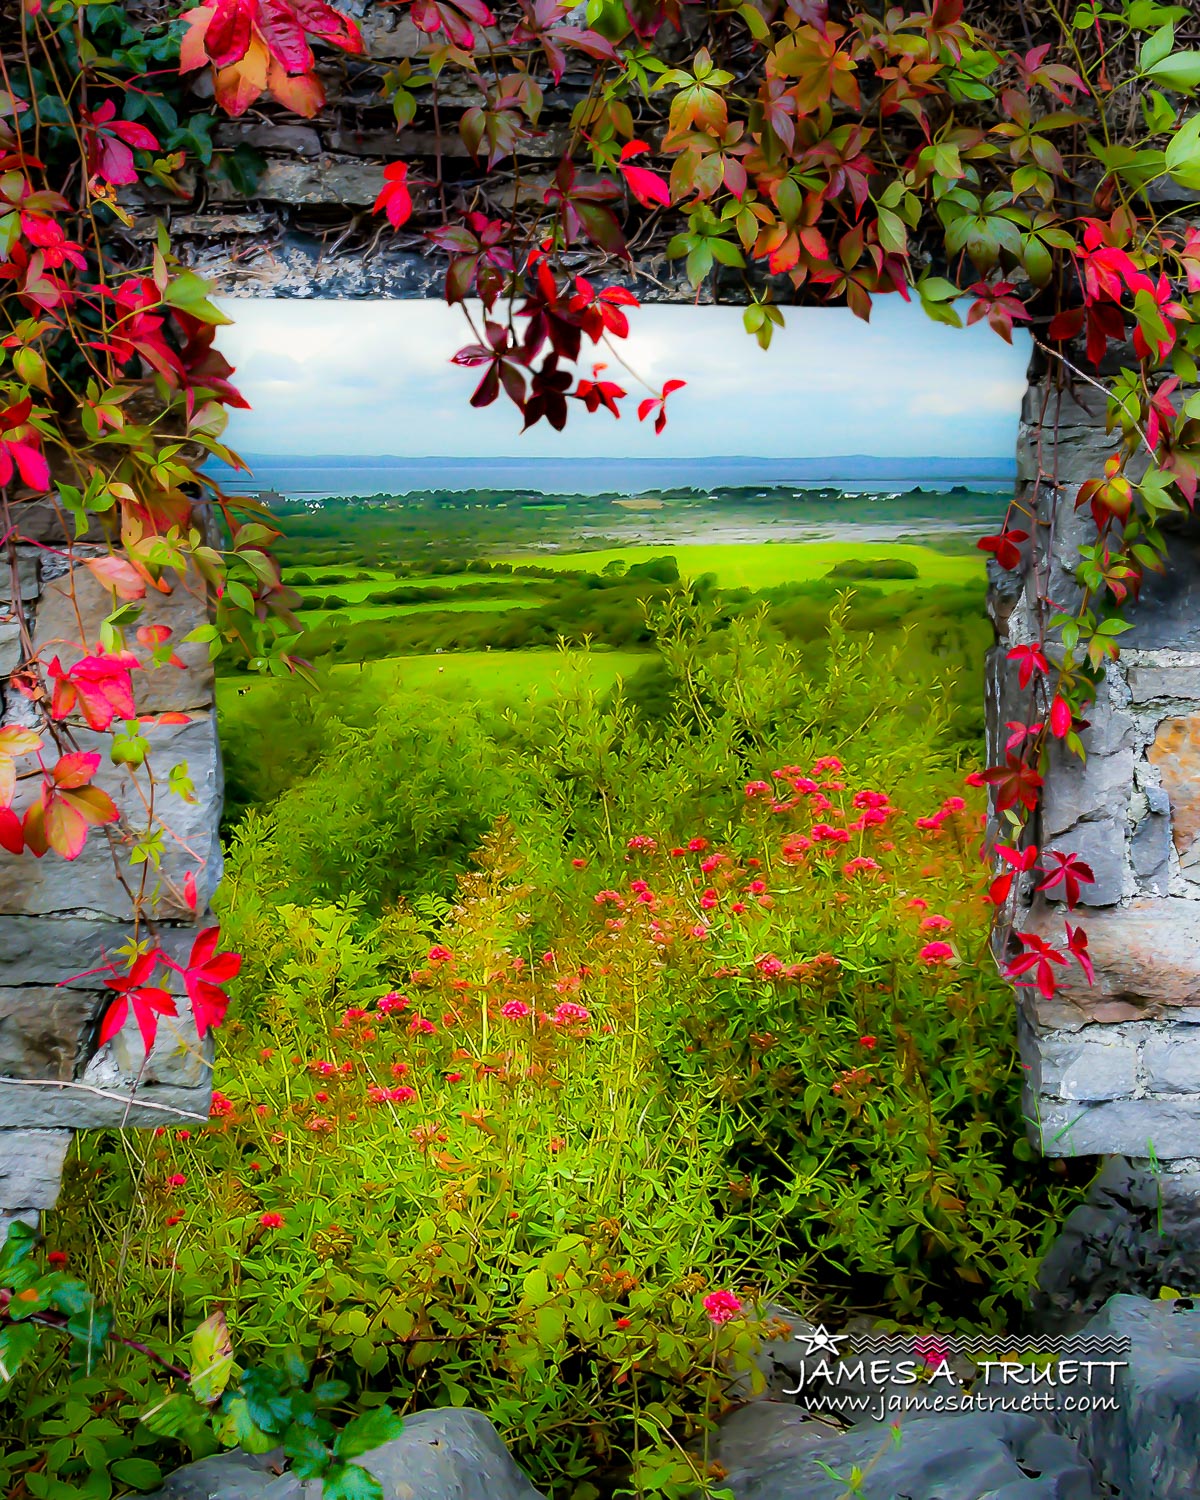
{"x":638,"y":458}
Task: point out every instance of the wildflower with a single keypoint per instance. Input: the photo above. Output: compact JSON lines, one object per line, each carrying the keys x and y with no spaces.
{"x":768,"y":965}
{"x":262,"y":1111}
{"x":439,"y":955}
{"x":678,"y":852}
{"x":173,"y":1220}
{"x":936,"y":953}
{"x":624,"y":1322}
{"x":421,"y":1026}
{"x":271,"y":1221}
{"x":176,"y":1179}
{"x":556,"y":1144}
{"x":57,"y":1257}
{"x":860,"y":866}
{"x":427,"y":1135}
{"x":933,"y":822}
{"x":391,"y":1001}
{"x":697,"y":846}
{"x":916,"y":904}
{"x":738,"y":908}
{"x":267,"y":1054}
{"x":610,"y":898}
{"x":827,"y":763}
{"x":756,"y":887}
{"x":721,"y":1306}
{"x":700,"y":930}
{"x":708,"y":900}
{"x":401,"y":1095}
{"x":874,"y":800}
{"x":399,"y":1069}
{"x":757,"y":788}
{"x":183,"y":1135}
{"x":454,"y":1077}
{"x":869,"y":1042}
{"x":639,"y":887}
{"x":579,"y":864}
{"x":549,"y":958}
{"x":570,"y":1014}
{"x":642,"y":843}
{"x":935,"y":924}
{"x":321,"y":1097}
{"x":794,"y":848}
{"x":220,"y":1104}
{"x":713,"y":862}
{"x":352,"y":1015}
{"x":159,"y":1130}
{"x":319,"y":1125}
{"x":514,"y":1010}
{"x":954,"y":805}
{"x":256,"y":1166}
{"x":827,"y":834}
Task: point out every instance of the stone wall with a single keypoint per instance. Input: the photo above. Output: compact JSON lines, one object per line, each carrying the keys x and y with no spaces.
{"x":61,"y":921}
{"x":1112,"y":1067}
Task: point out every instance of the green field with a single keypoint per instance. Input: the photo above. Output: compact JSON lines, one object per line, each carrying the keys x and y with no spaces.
{"x":382,"y":583}
{"x":352,"y":612}
{"x":760,"y":565}
{"x":472,"y":676}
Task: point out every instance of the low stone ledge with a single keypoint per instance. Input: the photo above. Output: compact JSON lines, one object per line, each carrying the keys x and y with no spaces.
{"x":69,"y":1106}
{"x":65,"y":951}
{"x":1168,"y":1128}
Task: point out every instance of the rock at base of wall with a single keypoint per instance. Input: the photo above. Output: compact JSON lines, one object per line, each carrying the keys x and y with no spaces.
{"x":1136,"y":1232}
{"x":455,"y":1454}
{"x":961,"y":1456}
{"x":1147,"y":1446}
{"x":31,"y":1163}
{"x":229,"y":1476}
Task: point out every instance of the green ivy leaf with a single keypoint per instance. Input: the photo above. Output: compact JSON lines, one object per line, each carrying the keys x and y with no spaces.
{"x":350,"y":1482}
{"x":368,"y":1431}
{"x":212,"y":1359}
{"x":138,"y":1473}
{"x":236,"y":1428}
{"x":1183,"y":154}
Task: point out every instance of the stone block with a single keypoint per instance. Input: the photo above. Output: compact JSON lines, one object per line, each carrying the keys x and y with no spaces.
{"x":66,"y":951}
{"x":1098,"y":788}
{"x":27,"y":577}
{"x":1146,"y":1445}
{"x":1168,"y":611}
{"x":1171,"y":1062}
{"x":1101,"y":845}
{"x":1150,"y":850}
{"x":350,"y":182}
{"x":1176,"y":754}
{"x":1174,"y":679}
{"x":47,"y":520}
{"x":31,"y":1163}
{"x":1077,"y":1065}
{"x":76,"y":1105}
{"x":90,"y":883}
{"x":10,"y":643}
{"x":44,"y":1031}
{"x":1146,"y":955}
{"x":165,"y":689}
{"x":1168,"y":1129}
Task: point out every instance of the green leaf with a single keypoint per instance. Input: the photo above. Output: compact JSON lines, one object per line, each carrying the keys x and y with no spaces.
{"x":1183,"y":154}
{"x":138,"y":1473}
{"x":178,"y":1415}
{"x":370,"y":1430}
{"x":236,"y":1428}
{"x":1155,"y":48}
{"x":212,"y":1358}
{"x":351,"y":1482}
{"x":1180,"y":71}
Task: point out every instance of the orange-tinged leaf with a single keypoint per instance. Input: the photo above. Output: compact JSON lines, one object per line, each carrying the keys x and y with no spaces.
{"x":119,"y":576}
{"x":66,"y":829}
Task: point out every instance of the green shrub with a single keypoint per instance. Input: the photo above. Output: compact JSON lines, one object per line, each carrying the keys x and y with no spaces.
{"x":879,"y":567}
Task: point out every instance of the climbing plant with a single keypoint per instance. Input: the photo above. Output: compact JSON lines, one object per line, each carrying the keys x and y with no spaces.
{"x":1016,"y":164}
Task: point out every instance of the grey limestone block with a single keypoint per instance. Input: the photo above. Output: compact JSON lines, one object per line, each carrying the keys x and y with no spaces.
{"x":90,"y":885}
{"x":31,"y":1163}
{"x":1166,"y":1128}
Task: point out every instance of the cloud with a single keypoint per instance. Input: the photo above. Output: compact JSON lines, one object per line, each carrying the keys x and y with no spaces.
{"x":375,"y":377}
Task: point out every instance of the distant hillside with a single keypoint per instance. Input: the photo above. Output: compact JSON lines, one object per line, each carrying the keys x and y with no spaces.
{"x":339,"y":474}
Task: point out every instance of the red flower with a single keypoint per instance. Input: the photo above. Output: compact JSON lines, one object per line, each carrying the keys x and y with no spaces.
{"x":176,"y":1179}
{"x":57,"y":1257}
{"x":271,"y":1221}
{"x":721,"y":1306}
{"x":933,"y":954}
{"x":869,"y":1042}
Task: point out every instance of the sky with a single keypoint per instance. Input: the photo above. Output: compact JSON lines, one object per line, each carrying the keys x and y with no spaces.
{"x":374,"y":377}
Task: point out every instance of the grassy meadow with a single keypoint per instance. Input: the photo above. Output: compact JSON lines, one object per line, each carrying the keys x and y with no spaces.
{"x":611,"y":938}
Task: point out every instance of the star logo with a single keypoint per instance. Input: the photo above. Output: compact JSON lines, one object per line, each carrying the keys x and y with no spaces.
{"x":819,"y":1339}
